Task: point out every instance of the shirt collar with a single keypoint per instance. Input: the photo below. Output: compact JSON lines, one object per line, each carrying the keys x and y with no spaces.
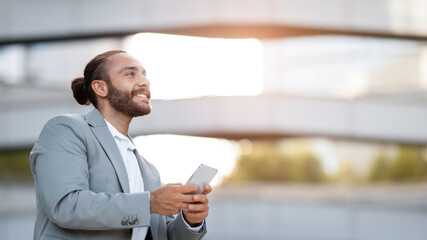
{"x":119,"y":135}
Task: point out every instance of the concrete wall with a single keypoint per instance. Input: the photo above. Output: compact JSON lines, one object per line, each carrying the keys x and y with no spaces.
{"x":46,"y":19}
{"x":239,"y":117}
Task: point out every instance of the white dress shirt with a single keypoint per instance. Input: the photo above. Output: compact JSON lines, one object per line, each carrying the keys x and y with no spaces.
{"x":136,"y":182}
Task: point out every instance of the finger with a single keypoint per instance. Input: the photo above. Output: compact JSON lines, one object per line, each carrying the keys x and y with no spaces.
{"x":183,"y":206}
{"x":200,"y":198}
{"x":187,"y":198}
{"x":207,"y":190}
{"x":189,"y":188}
{"x":198,"y":207}
{"x":196,"y":216}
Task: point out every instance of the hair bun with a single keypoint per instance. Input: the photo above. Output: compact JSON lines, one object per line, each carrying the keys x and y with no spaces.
{"x":79,"y":91}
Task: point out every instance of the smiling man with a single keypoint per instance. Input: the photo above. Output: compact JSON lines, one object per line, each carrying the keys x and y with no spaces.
{"x":91,"y":183}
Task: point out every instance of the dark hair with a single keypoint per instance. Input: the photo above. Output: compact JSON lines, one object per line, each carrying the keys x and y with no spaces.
{"x":96,"y":69}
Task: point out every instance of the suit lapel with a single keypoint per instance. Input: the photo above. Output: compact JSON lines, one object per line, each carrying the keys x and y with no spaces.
{"x":102,"y":133}
{"x":148,"y":177}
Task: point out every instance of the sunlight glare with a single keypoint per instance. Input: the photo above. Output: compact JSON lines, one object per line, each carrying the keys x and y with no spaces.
{"x":187,"y":67}
{"x":177,"y":157}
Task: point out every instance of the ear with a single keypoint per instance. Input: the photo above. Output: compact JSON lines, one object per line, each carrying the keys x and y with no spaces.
{"x":100,"y":88}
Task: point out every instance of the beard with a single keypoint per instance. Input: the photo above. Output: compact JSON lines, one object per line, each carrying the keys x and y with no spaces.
{"x":122,"y":101}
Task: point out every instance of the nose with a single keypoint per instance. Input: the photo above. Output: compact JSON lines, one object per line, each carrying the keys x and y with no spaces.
{"x":143,"y":82}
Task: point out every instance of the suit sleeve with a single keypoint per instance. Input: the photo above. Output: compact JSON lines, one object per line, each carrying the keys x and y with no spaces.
{"x":60,"y":168}
{"x":178,"y":230}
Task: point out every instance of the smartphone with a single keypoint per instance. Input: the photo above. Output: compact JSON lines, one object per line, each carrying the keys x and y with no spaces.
{"x":202,"y":176}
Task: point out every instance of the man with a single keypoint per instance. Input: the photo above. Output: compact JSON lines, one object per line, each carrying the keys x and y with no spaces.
{"x":91,"y":183}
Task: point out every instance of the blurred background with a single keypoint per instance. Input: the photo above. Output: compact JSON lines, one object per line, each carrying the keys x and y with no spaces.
{"x":314,"y":112}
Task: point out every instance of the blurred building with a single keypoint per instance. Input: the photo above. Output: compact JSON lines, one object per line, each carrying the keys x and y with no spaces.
{"x":348,"y":69}
{"x":345,"y":69}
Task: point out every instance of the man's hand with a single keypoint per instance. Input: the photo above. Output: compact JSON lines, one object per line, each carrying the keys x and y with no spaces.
{"x":171,"y":198}
{"x":199,"y":208}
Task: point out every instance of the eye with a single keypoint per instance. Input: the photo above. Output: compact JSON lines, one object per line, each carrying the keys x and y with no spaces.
{"x":130,"y":74}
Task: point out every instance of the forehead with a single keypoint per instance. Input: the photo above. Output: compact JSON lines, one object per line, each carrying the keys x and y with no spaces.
{"x":119,"y":61}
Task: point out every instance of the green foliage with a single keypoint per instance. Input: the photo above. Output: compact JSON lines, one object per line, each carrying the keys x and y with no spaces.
{"x":293,"y":161}
{"x":347,"y":174}
{"x":15,"y":166}
{"x":305,"y":168}
{"x":380,"y":168}
{"x":269,"y":162}
{"x":408,"y":165}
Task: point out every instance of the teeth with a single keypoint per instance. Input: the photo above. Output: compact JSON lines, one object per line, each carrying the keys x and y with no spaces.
{"x":142,"y":95}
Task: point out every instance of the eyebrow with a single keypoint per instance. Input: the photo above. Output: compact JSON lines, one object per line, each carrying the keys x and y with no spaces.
{"x":132,"y":68}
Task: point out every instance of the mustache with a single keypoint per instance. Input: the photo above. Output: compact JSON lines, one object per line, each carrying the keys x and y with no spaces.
{"x":144,"y":91}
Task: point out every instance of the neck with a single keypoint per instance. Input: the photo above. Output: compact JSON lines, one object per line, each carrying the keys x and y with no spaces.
{"x":119,"y":120}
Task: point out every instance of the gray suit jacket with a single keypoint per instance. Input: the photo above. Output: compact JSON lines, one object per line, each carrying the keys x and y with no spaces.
{"x":82,"y":187}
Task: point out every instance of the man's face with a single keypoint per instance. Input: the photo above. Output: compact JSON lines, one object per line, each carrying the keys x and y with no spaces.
{"x":128,"y":89}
